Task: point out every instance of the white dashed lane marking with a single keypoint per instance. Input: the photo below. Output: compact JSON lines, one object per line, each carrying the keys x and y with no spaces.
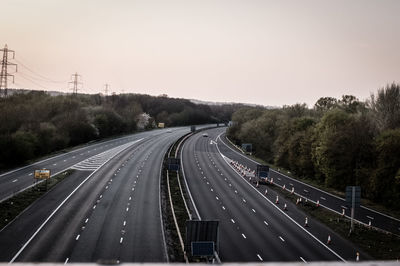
{"x":259,"y":257}
{"x":283,"y":240}
{"x":244,"y":236}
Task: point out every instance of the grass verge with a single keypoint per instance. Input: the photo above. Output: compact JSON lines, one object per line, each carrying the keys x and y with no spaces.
{"x":12,"y":207}
{"x":380,"y":245}
{"x":319,"y":185}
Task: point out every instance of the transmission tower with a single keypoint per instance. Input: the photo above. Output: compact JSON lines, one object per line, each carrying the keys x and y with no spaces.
{"x":75,"y":83}
{"x":4,"y":74}
{"x":106,"y":87}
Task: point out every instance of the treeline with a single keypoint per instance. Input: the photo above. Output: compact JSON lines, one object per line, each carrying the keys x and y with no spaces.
{"x":34,"y":124}
{"x":339,"y":142}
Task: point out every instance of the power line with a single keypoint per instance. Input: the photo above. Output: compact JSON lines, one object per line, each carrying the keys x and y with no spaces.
{"x":4,"y":74}
{"x":33,"y":82}
{"x":44,"y":78}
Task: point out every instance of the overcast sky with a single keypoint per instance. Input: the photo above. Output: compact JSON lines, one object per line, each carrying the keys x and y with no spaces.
{"x":262,"y":52}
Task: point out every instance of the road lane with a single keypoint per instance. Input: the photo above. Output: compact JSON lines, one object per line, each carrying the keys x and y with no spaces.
{"x":256,"y":221}
{"x":113,"y":216}
{"x":333,"y":202}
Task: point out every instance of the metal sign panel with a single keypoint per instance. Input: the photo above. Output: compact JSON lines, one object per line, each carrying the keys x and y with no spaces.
{"x":203,"y":248}
{"x":42,"y":174}
{"x":201,"y":231}
{"x":262,"y":171}
{"x":173,"y":164}
{"x":357,"y":195}
{"x":247,"y":147}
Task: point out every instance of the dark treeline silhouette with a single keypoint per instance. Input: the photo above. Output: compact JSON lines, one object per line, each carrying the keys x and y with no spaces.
{"x":337,"y":143}
{"x":33,"y":124}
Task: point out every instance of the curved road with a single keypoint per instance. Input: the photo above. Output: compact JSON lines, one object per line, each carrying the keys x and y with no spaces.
{"x":252,"y":227}
{"x":107,"y":211}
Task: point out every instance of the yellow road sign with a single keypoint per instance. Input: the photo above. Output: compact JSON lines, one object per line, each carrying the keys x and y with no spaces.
{"x":42,"y":174}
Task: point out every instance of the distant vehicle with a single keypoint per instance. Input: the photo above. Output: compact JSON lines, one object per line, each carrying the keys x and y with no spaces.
{"x":205,"y":135}
{"x":169,"y":131}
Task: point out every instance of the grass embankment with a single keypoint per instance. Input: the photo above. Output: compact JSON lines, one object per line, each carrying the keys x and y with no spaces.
{"x":12,"y":207}
{"x":315,"y":183}
{"x":380,"y":245}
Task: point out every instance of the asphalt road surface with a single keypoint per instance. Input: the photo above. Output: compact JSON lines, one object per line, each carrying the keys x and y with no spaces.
{"x":108,"y":210}
{"x":252,"y":227}
{"x":333,"y":202}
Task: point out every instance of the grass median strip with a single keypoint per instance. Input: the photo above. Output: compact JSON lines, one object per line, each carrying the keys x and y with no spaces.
{"x":12,"y":207}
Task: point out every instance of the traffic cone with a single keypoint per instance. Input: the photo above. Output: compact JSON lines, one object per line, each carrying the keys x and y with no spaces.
{"x":306,"y":222}
{"x":358,"y":256}
{"x":257,"y":184}
{"x":317,"y":203}
{"x":297,"y":201}
{"x":369,"y":223}
{"x":266,"y":192}
{"x":285,"y":207}
{"x":277,"y":199}
{"x":343,"y":212}
{"x":329,"y":240}
{"x":292,"y":190}
{"x":284,"y":187}
{"x":272,"y":180}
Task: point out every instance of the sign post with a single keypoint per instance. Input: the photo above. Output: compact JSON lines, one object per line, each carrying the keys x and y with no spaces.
{"x":353,"y":198}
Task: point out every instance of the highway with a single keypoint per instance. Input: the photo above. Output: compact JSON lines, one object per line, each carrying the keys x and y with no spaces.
{"x":252,"y":227}
{"x":332,"y":202}
{"x":108,"y":210}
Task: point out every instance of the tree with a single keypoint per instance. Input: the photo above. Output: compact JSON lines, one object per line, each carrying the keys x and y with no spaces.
{"x":386,"y":107}
{"x":386,"y":177}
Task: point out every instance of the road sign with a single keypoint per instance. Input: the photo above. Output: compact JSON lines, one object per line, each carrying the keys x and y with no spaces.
{"x":262,"y":171}
{"x":247,"y":147}
{"x":201,"y":231}
{"x":192,"y":129}
{"x":173,"y":164}
{"x":42,"y":174}
{"x":203,"y":249}
{"x":357,"y":196}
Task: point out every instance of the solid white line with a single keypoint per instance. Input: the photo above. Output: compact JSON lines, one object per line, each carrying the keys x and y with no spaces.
{"x":259,"y":257}
{"x":303,"y":260}
{"x":284,"y":213}
{"x":60,"y":205}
